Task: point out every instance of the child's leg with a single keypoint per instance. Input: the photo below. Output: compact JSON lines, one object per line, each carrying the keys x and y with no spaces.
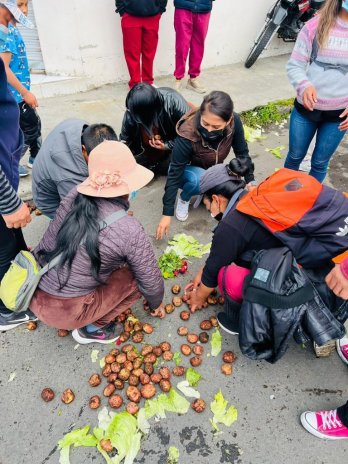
{"x":199,"y":33}
{"x":131,"y":31}
{"x":149,"y":47}
{"x":183,"y":25}
{"x":30,"y":123}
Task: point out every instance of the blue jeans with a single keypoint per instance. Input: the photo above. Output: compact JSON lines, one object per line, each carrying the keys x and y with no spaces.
{"x":301,"y":133}
{"x":190,"y":182}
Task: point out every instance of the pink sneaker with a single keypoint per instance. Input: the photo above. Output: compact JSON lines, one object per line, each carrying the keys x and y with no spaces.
{"x":342,"y":349}
{"x":324,"y":424}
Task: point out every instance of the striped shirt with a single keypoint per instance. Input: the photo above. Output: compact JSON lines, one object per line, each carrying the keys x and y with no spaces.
{"x":330,"y":83}
{"x":9,"y":200}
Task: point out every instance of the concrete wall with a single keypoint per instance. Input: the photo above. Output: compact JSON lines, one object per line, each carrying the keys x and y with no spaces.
{"x":81,"y":39}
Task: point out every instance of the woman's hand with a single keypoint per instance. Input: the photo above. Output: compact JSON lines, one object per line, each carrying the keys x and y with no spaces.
{"x":195,"y":283}
{"x":30,"y":99}
{"x":310,"y":98}
{"x":158,"y":312}
{"x":163,"y":227}
{"x":344,"y":124}
{"x":195,"y":300}
{"x":337,"y":282}
{"x":158,"y":144}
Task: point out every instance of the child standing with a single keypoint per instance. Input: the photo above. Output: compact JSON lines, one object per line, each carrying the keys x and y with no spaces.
{"x":140,"y":24}
{"x":14,"y":56}
{"x":191,"y":22}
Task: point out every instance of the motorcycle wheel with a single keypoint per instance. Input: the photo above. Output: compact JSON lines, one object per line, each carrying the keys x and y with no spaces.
{"x":261,"y":44}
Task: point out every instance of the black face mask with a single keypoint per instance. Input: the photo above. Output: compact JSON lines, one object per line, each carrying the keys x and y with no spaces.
{"x":218,"y":217}
{"x":213,"y":136}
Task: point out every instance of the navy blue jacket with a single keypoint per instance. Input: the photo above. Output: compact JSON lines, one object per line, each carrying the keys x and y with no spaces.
{"x":196,"y":6}
{"x":142,"y":8}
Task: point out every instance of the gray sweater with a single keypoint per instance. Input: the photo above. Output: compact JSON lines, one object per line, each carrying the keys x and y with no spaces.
{"x":123,"y":242}
{"x":59,"y":166}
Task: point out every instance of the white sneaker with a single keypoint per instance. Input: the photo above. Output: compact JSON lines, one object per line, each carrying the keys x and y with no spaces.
{"x":181,"y":211}
{"x":195,"y":84}
{"x":342,"y":349}
{"x":177,"y":84}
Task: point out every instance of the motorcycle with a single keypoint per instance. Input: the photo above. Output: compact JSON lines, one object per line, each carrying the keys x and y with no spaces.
{"x":287,"y":18}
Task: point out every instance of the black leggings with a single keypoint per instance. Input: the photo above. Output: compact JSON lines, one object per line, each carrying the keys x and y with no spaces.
{"x":11,"y":242}
{"x":343,"y":414}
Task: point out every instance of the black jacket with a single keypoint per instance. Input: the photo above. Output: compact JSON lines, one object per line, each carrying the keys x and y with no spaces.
{"x":196,"y":6}
{"x":281,"y":301}
{"x":173,"y":107}
{"x":141,"y":7}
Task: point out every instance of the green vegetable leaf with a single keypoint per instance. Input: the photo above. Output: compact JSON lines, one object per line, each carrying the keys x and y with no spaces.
{"x":185,"y":388}
{"x":173,"y":402}
{"x":94,"y":355}
{"x":124,"y":436}
{"x":221,"y":413}
{"x":216,"y":343}
{"x":173,"y":455}
{"x":78,"y":437}
{"x":251,"y":135}
{"x":105,"y":418}
{"x":177,"y":403}
{"x":186,"y":245}
{"x":168,"y":264}
{"x":193,"y":377}
{"x":277,"y":151}
{"x":177,"y":358}
{"x":142,"y":422}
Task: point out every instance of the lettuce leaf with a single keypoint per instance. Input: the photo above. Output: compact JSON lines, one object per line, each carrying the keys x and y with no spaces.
{"x":177,"y":358}
{"x":185,"y":388}
{"x":142,"y":422}
{"x":173,"y":402}
{"x":186,"y":245}
{"x":173,"y":455}
{"x":216,"y":343}
{"x":193,"y":377}
{"x":78,"y":437}
{"x":251,"y":135}
{"x":277,"y":151}
{"x":124,"y":436}
{"x":221,"y":413}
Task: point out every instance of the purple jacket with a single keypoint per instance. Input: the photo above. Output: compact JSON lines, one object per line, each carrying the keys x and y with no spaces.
{"x":123,"y":242}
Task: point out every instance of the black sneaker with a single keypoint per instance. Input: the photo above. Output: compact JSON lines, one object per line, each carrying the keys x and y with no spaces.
{"x":225,"y":324}
{"x":11,"y":320}
{"x":107,"y":334}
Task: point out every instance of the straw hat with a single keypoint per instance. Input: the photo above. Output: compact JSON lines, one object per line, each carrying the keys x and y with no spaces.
{"x":113,"y":172}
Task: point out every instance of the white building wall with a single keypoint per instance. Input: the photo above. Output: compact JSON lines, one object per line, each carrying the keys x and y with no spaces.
{"x":82,"y":38}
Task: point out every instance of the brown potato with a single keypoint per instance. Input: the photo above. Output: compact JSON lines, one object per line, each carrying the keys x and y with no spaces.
{"x":106,"y":445}
{"x":150,"y":358}
{"x":128,"y":365}
{"x":144,"y":379}
{"x":155,"y":378}
{"x":185,"y":315}
{"x":62,"y":333}
{"x":157,"y":351}
{"x":68,"y":396}
{"x":138,"y":326}
{"x":198,"y":350}
{"x":229,"y":357}
{"x":133,"y":380}
{"x":109,"y":389}
{"x":124,"y":374}
{"x":206,"y":325}
{"x":121,"y":358}
{"x":227,"y":369}
{"x":133,"y":394}
{"x":185,"y":349}
{"x":31,"y":325}
{"x":148,"y":391}
{"x":169,"y":308}
{"x":196,"y":361}
{"x":165,"y":373}
{"x":165,"y":346}
{"x":179,"y":371}
{"x":109,"y":359}
{"x":138,"y":362}
{"x":115,"y":367}
{"x":119,"y":384}
{"x":131,"y":355}
{"x":198,"y":405}
{"x":182,"y":331}
{"x":114,"y":352}
{"x":124,"y":337}
{"x":137,"y":372}
{"x":148,"y":368}
{"x":115,"y":401}
{"x":212,"y":300}
{"x":132,"y":408}
{"x":47,"y":394}
{"x":121,"y":318}
{"x":221,"y":300}
{"x":192,"y":338}
{"x":167,"y":355}
{"x":94,"y":380}
{"x":165,"y":385}
{"x":94,"y":402}
{"x":127,"y":348}
{"x":176,"y":289}
{"x":106,"y":370}
{"x":214,"y":321}
{"x":112,"y":377}
{"x":128,"y":326}
{"x":146,"y":350}
{"x":147,"y":328}
{"x":177,"y":301}
{"x":204,"y":337}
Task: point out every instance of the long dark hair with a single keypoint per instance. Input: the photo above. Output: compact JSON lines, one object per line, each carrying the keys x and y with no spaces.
{"x":218,"y":103}
{"x":81,"y":223}
{"x":144,"y":103}
{"x":227,"y":189}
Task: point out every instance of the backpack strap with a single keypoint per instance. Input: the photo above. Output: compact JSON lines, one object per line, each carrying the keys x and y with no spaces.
{"x":103,"y":224}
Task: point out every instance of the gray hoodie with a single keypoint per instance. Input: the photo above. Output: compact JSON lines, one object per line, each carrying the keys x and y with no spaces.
{"x":59,"y":166}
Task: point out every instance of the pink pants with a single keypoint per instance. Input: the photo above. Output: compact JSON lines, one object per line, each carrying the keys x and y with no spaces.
{"x":235,"y":276}
{"x":191,"y":30}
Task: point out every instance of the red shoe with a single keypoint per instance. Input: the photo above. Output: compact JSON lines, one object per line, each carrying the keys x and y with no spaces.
{"x":342,"y":349}
{"x":324,"y":424}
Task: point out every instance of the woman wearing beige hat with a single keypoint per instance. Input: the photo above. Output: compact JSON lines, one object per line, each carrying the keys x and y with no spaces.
{"x":106,"y":259}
